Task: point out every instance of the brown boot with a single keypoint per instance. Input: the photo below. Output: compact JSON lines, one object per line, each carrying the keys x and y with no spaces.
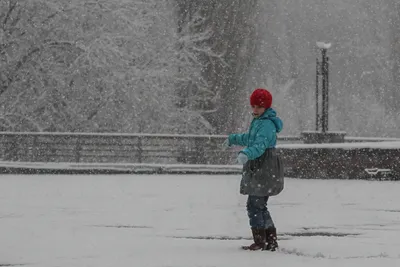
{"x":259,"y":240}
{"x":271,"y":239}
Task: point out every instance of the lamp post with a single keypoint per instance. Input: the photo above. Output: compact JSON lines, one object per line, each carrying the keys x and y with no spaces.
{"x":322,"y":107}
{"x":321,"y":133}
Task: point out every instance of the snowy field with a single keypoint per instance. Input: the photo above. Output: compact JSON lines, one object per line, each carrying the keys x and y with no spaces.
{"x":192,"y":221}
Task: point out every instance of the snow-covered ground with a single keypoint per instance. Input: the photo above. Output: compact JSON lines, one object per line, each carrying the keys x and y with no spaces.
{"x":192,"y":221}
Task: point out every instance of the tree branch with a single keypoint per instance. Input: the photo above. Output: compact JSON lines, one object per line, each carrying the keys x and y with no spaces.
{"x":11,"y":8}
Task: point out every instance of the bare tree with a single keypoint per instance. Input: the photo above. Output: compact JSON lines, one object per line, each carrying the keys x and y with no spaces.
{"x":229,"y":50}
{"x":29,"y":57}
{"x":92,"y":66}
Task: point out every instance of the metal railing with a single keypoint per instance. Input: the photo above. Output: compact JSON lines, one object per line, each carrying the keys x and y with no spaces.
{"x":124,"y":148}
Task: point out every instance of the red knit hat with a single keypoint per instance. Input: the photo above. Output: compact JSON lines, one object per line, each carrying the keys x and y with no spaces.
{"x":261,"y":97}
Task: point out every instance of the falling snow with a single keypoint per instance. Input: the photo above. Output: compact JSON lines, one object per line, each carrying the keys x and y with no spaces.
{"x":188,"y":66}
{"x":104,"y":70}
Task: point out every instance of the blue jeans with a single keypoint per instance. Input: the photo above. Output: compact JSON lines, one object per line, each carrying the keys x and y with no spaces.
{"x":258,"y":213}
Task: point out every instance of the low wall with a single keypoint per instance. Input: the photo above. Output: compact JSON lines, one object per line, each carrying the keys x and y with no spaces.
{"x":374,"y":160}
{"x":343,"y":161}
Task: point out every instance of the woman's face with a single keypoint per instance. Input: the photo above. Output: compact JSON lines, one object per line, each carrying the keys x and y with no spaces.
{"x":257,"y":110}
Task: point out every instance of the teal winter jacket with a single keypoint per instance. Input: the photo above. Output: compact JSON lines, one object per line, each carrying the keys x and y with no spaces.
{"x":261,"y":135}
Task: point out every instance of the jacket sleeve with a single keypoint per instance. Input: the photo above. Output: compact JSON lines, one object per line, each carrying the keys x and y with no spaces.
{"x":263,"y":140}
{"x":239,"y":139}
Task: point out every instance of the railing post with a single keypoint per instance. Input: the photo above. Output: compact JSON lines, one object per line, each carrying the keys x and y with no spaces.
{"x":140,"y":149}
{"x":199,"y":157}
{"x":34,"y":150}
{"x":78,"y":148}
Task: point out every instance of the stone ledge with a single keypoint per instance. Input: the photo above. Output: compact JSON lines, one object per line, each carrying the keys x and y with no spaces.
{"x":310,"y":137}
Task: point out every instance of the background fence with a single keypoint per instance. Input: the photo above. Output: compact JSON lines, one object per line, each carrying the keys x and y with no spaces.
{"x":301,"y":160}
{"x":118,"y":148}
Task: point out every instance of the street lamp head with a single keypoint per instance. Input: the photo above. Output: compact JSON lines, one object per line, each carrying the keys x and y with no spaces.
{"x":322,"y":45}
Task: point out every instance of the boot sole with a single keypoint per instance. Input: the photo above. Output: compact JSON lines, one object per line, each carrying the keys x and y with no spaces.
{"x":262,"y":249}
{"x":248,"y":248}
